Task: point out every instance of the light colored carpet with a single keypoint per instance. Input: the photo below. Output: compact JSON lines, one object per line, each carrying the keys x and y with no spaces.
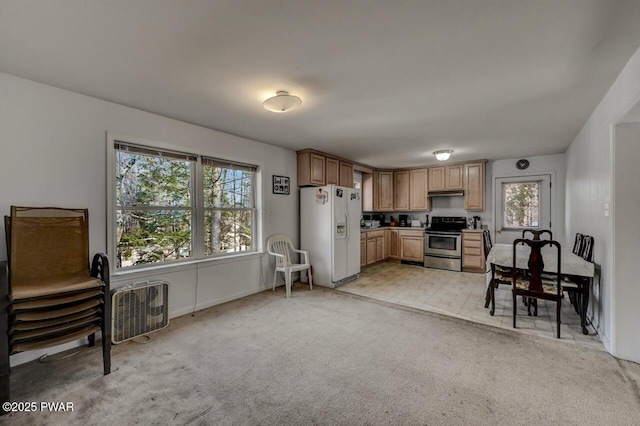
{"x":326,"y":357}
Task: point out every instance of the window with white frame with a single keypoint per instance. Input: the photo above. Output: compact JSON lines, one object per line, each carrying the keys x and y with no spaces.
{"x":521,"y":204}
{"x":171,"y":206}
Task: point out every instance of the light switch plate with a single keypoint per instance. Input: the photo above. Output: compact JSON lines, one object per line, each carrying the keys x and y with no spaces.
{"x":606,"y":209}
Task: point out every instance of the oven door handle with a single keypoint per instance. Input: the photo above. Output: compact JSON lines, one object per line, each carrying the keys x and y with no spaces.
{"x":443,"y":234}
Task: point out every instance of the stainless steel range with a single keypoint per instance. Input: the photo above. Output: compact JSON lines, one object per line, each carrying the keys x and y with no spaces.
{"x":443,"y":243}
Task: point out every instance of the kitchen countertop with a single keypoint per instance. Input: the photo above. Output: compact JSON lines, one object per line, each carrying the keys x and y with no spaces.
{"x":473,"y":230}
{"x":381,"y":228}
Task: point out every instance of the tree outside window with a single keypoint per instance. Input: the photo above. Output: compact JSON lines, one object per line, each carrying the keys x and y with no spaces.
{"x":156,"y":219}
{"x":521,"y":205}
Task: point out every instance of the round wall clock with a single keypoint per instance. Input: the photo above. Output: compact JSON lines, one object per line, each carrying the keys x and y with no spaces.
{"x":522,"y":164}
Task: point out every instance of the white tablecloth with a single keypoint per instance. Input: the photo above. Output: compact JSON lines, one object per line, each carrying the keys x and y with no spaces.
{"x":502,"y":255}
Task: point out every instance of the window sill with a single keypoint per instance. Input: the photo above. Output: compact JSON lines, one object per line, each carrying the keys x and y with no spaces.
{"x":184,"y":265}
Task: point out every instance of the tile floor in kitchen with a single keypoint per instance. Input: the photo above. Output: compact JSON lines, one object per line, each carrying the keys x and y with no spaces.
{"x":462,"y":295}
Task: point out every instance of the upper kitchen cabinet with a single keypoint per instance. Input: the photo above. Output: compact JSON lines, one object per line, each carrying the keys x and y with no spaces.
{"x":418,"y":184}
{"x":446,"y":178}
{"x":345,"y":174}
{"x":385,"y":191}
{"x":370,"y":191}
{"x":332,"y":171}
{"x":474,"y":183}
{"x":317,"y":169}
{"x":401,"y":190}
{"x":311,"y":169}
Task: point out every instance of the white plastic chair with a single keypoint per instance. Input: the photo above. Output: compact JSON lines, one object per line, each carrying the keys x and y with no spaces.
{"x":280,"y":246}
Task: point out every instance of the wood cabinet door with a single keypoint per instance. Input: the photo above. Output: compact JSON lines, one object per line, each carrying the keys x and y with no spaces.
{"x":346,"y":174}
{"x":332,"y":174}
{"x":436,"y":178}
{"x":411,"y":248}
{"x":392,"y":248}
{"x":372,"y":248}
{"x":317,"y":170}
{"x":418,"y":197}
{"x":379,"y":249}
{"x":363,"y":253}
{"x":474,"y":186}
{"x":385,"y":191}
{"x":387,"y":242}
{"x":454,"y":178}
{"x":401,"y":190}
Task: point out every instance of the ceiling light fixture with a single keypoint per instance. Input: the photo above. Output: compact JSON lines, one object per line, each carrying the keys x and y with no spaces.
{"x":282,"y":102}
{"x":443,"y":155}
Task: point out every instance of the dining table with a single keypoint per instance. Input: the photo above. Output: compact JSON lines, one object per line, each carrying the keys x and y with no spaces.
{"x":570,"y":265}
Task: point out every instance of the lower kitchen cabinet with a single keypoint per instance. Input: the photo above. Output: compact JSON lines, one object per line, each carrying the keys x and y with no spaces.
{"x":412,"y":245}
{"x":473,"y":251}
{"x":391,"y":244}
{"x":374,"y":246}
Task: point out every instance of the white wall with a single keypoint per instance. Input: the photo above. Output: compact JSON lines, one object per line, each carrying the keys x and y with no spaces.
{"x":626,"y":240}
{"x":589,"y":187}
{"x":52,"y":153}
{"x":542,"y":164}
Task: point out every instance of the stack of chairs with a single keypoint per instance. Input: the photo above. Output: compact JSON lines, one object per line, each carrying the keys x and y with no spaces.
{"x":51,"y":295}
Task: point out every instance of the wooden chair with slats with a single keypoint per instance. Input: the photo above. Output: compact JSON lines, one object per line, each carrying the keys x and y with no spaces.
{"x":534,"y":286}
{"x":50,"y":293}
{"x":578,"y":287}
{"x":537,"y":233}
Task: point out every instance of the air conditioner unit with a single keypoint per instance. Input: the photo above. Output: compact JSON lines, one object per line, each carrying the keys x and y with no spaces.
{"x":139,"y":309}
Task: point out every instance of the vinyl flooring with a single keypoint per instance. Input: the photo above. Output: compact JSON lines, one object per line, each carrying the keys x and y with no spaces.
{"x":462,"y":295}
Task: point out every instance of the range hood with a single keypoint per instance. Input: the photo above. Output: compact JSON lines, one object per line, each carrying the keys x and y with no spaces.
{"x":446,"y":194}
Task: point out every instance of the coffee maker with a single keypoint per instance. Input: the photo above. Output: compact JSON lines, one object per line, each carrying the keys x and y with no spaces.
{"x":403,"y":220}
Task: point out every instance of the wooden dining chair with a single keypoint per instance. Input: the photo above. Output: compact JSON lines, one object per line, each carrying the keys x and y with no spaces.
{"x":572,"y":286}
{"x":577,"y":244}
{"x":578,"y":287}
{"x":537,"y":233}
{"x":534,"y":286}
{"x":499,"y":274}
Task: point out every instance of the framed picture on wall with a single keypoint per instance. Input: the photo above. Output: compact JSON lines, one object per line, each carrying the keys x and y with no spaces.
{"x":281,"y":185}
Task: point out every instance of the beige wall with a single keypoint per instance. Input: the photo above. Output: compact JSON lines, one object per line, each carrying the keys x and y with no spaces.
{"x":589,"y":188}
{"x":53,"y":154}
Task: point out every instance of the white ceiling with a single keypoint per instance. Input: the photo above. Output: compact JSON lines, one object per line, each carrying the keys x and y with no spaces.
{"x":382,"y":82}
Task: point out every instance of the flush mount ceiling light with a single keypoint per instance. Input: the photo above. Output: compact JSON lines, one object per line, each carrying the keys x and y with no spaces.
{"x":282,"y":102}
{"x":443,"y":155}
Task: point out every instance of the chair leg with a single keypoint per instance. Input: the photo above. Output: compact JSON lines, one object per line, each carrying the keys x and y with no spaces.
{"x":5,"y":369}
{"x":106,"y":335}
{"x":493,"y":300}
{"x":583,"y":307}
{"x":515,"y":308}
{"x":310,"y":277}
{"x":275,"y":276}
{"x":92,"y":340}
{"x":288,"y":283}
{"x":558,"y":308}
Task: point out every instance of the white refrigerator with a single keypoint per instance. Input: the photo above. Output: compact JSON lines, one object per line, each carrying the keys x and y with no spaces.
{"x":330,"y":232}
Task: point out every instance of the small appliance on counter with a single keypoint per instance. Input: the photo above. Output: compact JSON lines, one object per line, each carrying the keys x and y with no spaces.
{"x":403,"y":220}
{"x":379,"y":218}
{"x":474,"y":222}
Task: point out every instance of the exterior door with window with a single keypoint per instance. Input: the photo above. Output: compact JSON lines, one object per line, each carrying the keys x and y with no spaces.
{"x":521,"y":203}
